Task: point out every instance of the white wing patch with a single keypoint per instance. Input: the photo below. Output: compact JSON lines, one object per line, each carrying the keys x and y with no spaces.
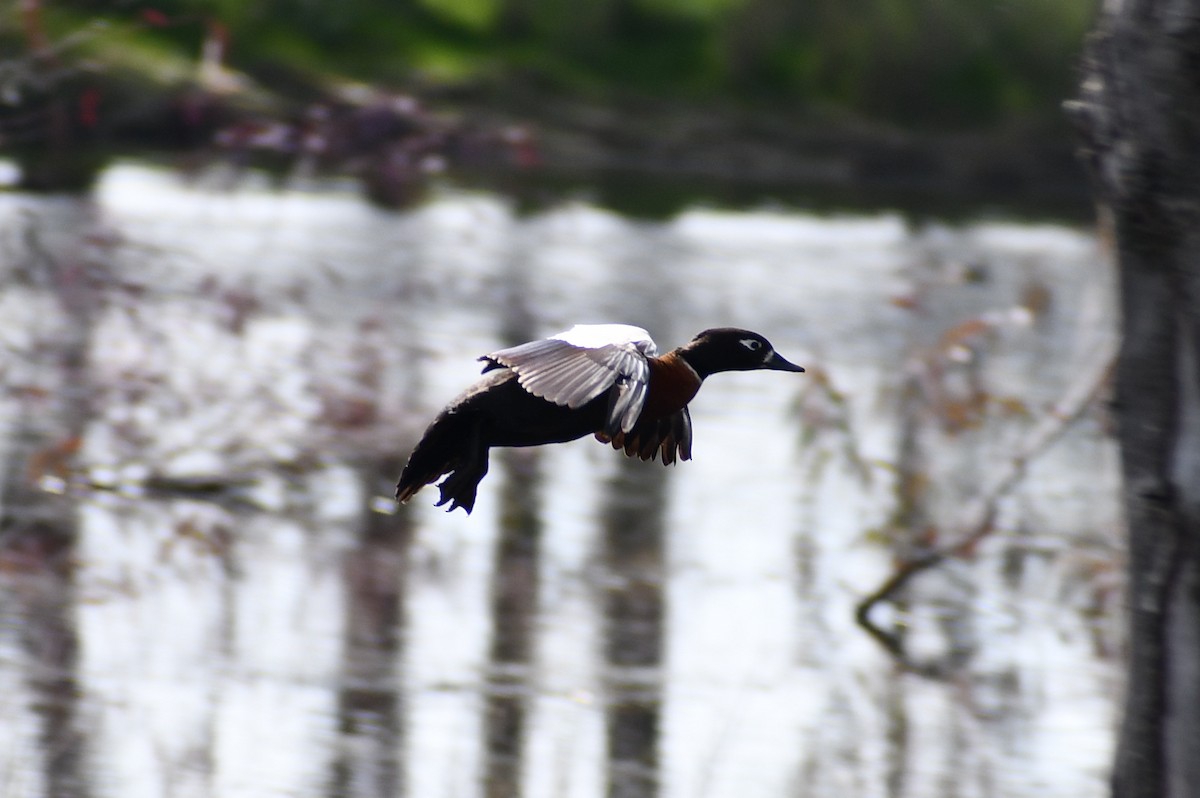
{"x":575,"y":366}
{"x":595,"y":336}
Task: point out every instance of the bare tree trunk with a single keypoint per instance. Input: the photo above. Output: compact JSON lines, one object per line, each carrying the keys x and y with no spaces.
{"x":1139,"y":114}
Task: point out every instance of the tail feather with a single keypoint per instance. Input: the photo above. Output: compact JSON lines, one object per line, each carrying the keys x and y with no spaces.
{"x":451,"y":446}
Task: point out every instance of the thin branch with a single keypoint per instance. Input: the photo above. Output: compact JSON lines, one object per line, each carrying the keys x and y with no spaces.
{"x":978,"y":518}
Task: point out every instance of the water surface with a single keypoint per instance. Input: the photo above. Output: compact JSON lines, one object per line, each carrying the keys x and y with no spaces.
{"x":209,"y":389}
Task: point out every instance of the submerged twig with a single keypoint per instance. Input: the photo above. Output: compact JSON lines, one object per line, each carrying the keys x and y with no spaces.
{"x":978,"y":517}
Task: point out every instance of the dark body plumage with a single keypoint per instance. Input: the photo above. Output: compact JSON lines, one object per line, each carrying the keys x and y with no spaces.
{"x":575,"y":384}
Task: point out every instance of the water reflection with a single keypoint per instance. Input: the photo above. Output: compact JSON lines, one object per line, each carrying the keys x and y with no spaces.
{"x":513,"y":623}
{"x":40,"y":602}
{"x":206,"y":590}
{"x":46,"y":412}
{"x":370,"y":708}
{"x":633,"y":519}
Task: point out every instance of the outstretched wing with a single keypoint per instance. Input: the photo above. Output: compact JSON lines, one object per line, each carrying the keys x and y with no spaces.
{"x":574,"y":367}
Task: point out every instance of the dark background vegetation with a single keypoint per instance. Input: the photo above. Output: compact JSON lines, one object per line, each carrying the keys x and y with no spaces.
{"x":926,"y":62}
{"x":895,"y":94}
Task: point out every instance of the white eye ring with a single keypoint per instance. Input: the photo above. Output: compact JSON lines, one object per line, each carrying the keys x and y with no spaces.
{"x":753,"y":344}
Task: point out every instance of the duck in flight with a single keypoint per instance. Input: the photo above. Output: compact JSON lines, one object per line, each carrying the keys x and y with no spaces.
{"x":606,"y":380}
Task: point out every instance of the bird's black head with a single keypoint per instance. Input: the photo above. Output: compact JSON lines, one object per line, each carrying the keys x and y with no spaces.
{"x":732,"y":349}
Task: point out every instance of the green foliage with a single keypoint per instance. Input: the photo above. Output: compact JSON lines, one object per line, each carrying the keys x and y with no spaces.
{"x":711,"y":12}
{"x":923,"y":62}
{"x":475,"y":15}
